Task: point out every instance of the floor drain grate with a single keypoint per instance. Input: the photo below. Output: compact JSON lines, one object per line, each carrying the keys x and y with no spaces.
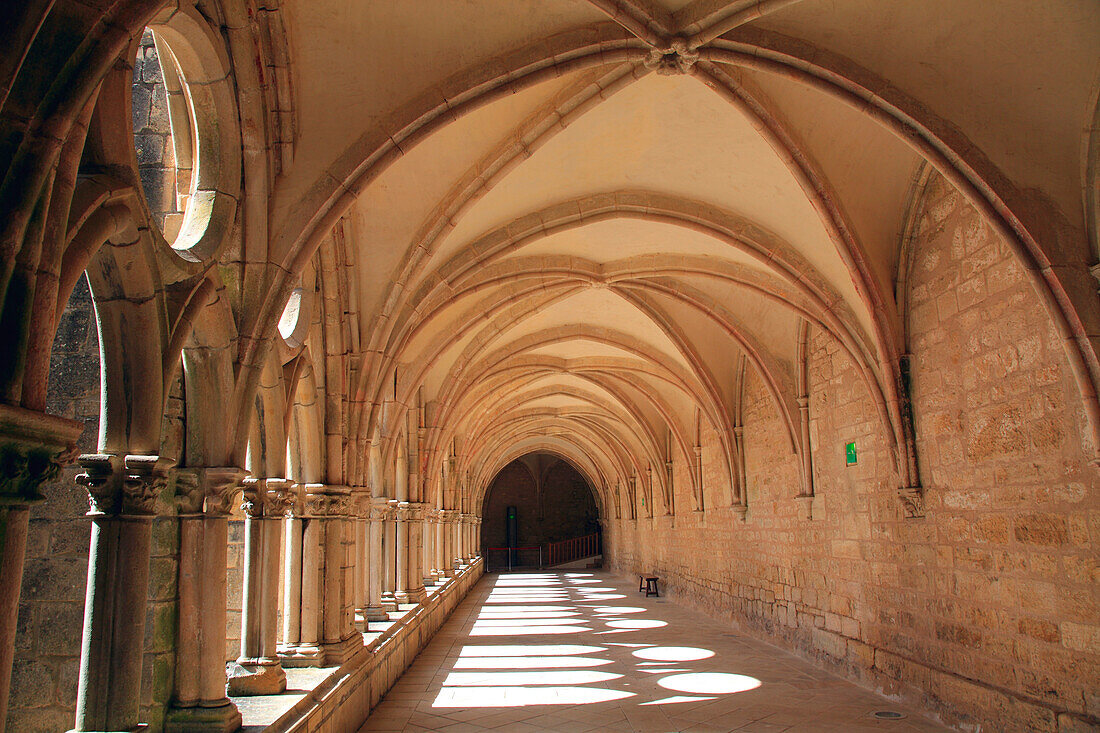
{"x":887,"y":715}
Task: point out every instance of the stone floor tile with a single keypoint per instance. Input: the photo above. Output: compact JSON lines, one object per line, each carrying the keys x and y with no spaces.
{"x":598,"y":663}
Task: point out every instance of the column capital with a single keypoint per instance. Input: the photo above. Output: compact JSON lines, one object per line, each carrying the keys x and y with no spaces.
{"x":123,"y":485}
{"x":207,"y":491}
{"x":323,"y":500}
{"x":267,"y":498}
{"x":33,"y":447}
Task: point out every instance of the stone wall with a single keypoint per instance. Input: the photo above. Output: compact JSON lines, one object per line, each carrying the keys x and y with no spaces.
{"x":985,"y":611}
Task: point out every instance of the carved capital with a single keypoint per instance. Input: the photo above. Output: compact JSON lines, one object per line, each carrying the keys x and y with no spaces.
{"x":912,"y":502}
{"x":209,"y":491}
{"x":321,"y":500}
{"x":267,"y":498}
{"x":33,"y":448}
{"x":123,"y":485}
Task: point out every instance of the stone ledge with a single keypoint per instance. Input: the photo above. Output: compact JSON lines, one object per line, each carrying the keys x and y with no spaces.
{"x":344,"y":699}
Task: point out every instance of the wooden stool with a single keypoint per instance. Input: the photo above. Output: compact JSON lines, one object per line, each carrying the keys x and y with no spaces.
{"x":651,"y":587}
{"x":641,"y":583}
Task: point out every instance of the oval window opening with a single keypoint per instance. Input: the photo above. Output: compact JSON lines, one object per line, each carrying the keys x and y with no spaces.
{"x":164,"y":134}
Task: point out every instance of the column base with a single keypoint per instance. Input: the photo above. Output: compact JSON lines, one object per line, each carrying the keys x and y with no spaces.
{"x":416,"y":595}
{"x":302,"y":655}
{"x":448,"y":573}
{"x":224,"y":718}
{"x":338,"y":652}
{"x":255,"y":677}
{"x":429,"y":579}
{"x":376,"y":613}
{"x":389,"y":601}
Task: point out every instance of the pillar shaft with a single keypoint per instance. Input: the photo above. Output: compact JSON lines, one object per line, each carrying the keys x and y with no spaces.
{"x":257,"y":670}
{"x":123,"y":491}
{"x":389,"y":556}
{"x":374,"y":610}
{"x":414,"y":589}
{"x":205,"y":498}
{"x":401,"y":549}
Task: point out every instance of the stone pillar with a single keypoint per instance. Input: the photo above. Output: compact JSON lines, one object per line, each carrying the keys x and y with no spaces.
{"x":447,"y":535}
{"x":302,"y":627}
{"x":123,"y":492}
{"x":258,"y":671}
{"x":430,"y":571}
{"x":457,"y":558}
{"x":477,"y":536}
{"x":205,"y":498}
{"x":414,"y":589}
{"x":291,"y":647}
{"x":389,"y":556}
{"x":361,"y":556}
{"x":327,"y":507}
{"x":401,"y":549}
{"x":33,"y":446}
{"x":374,"y":610}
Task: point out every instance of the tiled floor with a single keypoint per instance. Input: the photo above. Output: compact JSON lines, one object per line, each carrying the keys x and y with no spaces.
{"x":584,"y":651}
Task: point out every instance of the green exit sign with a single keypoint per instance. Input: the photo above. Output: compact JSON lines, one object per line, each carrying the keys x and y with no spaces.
{"x":850,"y":453}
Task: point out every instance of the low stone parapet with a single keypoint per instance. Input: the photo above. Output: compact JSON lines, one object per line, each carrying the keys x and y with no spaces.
{"x":344,"y":699}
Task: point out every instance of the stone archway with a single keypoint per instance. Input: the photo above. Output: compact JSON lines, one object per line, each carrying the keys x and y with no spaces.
{"x":551,"y":502}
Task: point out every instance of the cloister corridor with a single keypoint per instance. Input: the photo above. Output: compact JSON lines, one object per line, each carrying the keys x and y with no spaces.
{"x":585,"y":651}
{"x":315,"y":315}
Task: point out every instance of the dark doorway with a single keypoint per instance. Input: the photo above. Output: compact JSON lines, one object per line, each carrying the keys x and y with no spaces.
{"x":534,"y":503}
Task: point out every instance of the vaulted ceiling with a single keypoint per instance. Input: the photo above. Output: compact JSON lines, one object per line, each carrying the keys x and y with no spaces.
{"x":577,"y":225}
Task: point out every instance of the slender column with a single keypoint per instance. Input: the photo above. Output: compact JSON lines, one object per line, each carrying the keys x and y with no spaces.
{"x":123,"y":492}
{"x":33,"y":446}
{"x":430,"y":571}
{"x":415,"y":589}
{"x":292,"y":587}
{"x":204,"y":497}
{"x":329,"y":509}
{"x":258,"y":671}
{"x":477,"y":536}
{"x":374,"y":610}
{"x":306,"y":649}
{"x":389,"y":556}
{"x":401,"y":547}
{"x":456,"y":549}
{"x":361,"y":557}
{"x":446,"y":530}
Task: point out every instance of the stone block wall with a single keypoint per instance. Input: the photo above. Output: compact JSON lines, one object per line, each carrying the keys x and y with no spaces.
{"x":985,"y":611}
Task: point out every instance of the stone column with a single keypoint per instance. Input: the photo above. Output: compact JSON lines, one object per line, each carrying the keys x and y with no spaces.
{"x":123,"y":492}
{"x":456,"y":529}
{"x":374,"y":610}
{"x":328,"y":509}
{"x":447,"y":541}
{"x":361,"y":557}
{"x":33,"y":446}
{"x":292,"y":591}
{"x":389,"y":556}
{"x":414,"y":589}
{"x":430,"y":571}
{"x":302,"y":627}
{"x":258,"y":671}
{"x":204,"y":497}
{"x":477,"y":536}
{"x":401,"y":549}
